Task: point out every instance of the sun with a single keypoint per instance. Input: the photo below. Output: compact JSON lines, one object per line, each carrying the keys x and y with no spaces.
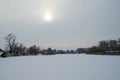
{"x":48,"y":17}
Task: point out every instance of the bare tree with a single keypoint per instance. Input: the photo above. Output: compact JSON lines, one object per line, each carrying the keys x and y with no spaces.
{"x":33,"y":50}
{"x":104,"y":45}
{"x":113,"y":45}
{"x":11,"y":42}
{"x":20,"y":49}
{"x":50,"y":51}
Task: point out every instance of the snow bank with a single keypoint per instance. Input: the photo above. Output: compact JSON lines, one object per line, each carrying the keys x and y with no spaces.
{"x":60,"y":67}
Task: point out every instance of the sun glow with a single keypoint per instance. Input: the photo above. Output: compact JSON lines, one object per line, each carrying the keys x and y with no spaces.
{"x":48,"y":17}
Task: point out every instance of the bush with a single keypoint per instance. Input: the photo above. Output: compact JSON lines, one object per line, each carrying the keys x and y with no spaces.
{"x":96,"y":50}
{"x":4,"y":55}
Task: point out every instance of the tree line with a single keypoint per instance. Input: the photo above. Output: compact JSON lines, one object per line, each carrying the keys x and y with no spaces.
{"x":106,"y":47}
{"x":13,"y":48}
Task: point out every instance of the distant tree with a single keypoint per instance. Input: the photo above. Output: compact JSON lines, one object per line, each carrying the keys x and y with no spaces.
{"x":96,"y":50}
{"x":81,"y":50}
{"x":33,"y":50}
{"x":55,"y":51}
{"x":72,"y":51}
{"x":11,"y":42}
{"x":67,"y":51}
{"x":119,"y":41}
{"x":50,"y":51}
{"x":20,"y":49}
{"x":113,"y":45}
{"x":103,"y":45}
{"x":43,"y":51}
{"x":61,"y":52}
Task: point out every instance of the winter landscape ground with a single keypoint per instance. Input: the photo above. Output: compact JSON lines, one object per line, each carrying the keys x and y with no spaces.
{"x":60,"y":67}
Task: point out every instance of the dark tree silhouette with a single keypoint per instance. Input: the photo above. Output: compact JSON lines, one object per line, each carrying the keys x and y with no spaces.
{"x":50,"y":51}
{"x":20,"y":49}
{"x":33,"y":50}
{"x":96,"y":50}
{"x":104,"y":45}
{"x":113,"y":45}
{"x":11,"y":42}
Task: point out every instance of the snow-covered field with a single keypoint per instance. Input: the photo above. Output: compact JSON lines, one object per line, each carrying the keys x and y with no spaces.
{"x":60,"y":67}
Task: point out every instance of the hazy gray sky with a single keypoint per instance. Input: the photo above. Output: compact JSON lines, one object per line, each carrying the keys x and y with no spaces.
{"x":75,"y":23}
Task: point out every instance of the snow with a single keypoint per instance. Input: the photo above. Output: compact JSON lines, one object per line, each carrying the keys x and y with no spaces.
{"x":60,"y":67}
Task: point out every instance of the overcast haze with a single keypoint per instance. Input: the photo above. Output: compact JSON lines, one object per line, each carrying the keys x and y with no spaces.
{"x":75,"y":23}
